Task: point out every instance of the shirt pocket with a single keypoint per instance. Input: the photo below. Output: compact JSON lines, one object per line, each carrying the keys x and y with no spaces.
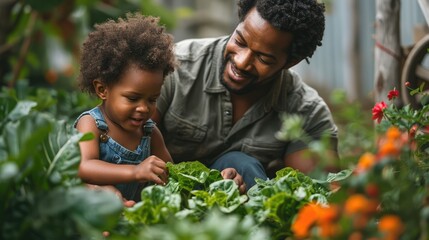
{"x":184,"y":130}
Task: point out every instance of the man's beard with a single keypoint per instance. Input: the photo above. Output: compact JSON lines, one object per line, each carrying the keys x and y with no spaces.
{"x":242,"y":91}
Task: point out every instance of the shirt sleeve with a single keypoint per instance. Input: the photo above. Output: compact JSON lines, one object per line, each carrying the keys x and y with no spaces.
{"x":318,"y":125}
{"x":167,"y":92}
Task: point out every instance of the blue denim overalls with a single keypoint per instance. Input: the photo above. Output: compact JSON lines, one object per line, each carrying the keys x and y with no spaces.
{"x":113,"y":152}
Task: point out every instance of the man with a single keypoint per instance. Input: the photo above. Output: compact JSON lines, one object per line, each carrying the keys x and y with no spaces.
{"x":223,"y":105}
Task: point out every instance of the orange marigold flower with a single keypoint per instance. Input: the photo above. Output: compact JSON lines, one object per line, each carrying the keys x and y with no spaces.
{"x":329,"y":229}
{"x":389,"y":148}
{"x":393,"y":94}
{"x":366,"y":161}
{"x":377,"y":111}
{"x":358,"y":203}
{"x":326,"y":220}
{"x":327,"y":213}
{"x":356,"y":236}
{"x":393,"y":133}
{"x":305,"y":219}
{"x":314,"y":214}
{"x":391,"y":226}
{"x":51,"y":76}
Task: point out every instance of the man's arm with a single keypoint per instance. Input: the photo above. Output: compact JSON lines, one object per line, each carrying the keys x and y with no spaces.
{"x":156,"y":117}
{"x":307,"y":161}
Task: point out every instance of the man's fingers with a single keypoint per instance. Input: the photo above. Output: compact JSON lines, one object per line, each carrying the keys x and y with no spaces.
{"x":228,"y":173}
{"x":242,"y":188}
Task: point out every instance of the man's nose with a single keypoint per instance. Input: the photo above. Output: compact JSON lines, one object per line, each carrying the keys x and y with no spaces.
{"x":244,"y":60}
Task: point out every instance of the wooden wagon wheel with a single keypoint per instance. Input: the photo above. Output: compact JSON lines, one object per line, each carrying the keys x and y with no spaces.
{"x":416,"y":71}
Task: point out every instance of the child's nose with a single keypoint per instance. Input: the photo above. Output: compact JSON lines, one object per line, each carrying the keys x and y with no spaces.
{"x":142,"y":107}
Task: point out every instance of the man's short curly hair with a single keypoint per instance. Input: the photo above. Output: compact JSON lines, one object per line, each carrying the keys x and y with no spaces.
{"x":116,"y":45}
{"x":305,"y":19}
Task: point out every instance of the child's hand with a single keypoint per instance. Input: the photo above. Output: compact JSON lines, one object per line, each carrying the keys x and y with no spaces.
{"x":127,"y":203}
{"x":151,"y":169}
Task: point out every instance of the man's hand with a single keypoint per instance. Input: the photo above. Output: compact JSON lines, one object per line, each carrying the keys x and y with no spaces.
{"x":231,"y":173}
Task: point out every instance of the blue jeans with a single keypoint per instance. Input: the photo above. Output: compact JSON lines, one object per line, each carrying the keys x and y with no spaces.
{"x":248,"y":167}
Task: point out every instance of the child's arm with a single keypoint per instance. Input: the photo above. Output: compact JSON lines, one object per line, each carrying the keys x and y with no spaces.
{"x":158,"y":147}
{"x":95,"y":171}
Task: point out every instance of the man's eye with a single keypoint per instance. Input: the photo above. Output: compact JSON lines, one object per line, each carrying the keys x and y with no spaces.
{"x":261,"y":59}
{"x":240,"y":44}
{"x":265,"y":60}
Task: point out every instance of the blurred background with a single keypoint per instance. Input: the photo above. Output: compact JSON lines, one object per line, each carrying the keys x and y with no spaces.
{"x":40,"y":40}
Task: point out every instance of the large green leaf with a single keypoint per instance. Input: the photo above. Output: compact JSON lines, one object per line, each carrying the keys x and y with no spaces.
{"x":61,"y":153}
{"x":6,"y":106}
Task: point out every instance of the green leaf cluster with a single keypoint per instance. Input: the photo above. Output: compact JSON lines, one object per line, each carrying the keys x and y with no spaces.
{"x":42,"y":198}
{"x":192,"y":196}
{"x":275,"y":202}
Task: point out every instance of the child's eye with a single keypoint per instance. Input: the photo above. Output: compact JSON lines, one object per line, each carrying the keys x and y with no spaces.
{"x":132,"y":99}
{"x":153,"y":100}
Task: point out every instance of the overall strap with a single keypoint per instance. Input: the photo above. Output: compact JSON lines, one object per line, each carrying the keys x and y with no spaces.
{"x":148,"y":127}
{"x":99,"y":119}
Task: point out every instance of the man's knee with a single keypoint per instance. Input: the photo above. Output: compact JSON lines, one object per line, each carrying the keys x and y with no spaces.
{"x":247,"y":166}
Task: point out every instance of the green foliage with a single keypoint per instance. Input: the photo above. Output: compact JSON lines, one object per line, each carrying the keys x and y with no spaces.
{"x":386,"y":196}
{"x":192,"y":190}
{"x":156,"y":206}
{"x":216,"y":225}
{"x":275,"y":202}
{"x":192,"y":175}
{"x":269,"y":205}
{"x":43,"y":6}
{"x":355,"y":128}
{"x":42,"y":198}
{"x":42,"y":39}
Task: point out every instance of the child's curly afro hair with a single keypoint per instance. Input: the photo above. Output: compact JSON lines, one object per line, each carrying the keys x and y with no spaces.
{"x":116,"y":45}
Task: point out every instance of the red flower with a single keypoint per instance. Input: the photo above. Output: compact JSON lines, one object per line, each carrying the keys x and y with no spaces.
{"x":372,"y":190}
{"x":413,"y":131}
{"x":377,"y":111}
{"x":407,"y":84}
{"x":393,"y":94}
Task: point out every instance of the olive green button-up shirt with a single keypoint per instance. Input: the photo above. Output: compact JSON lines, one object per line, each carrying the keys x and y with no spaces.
{"x":196,"y":110}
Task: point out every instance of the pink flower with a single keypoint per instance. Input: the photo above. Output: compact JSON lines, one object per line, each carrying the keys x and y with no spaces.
{"x":377,"y":111}
{"x":393,"y":94}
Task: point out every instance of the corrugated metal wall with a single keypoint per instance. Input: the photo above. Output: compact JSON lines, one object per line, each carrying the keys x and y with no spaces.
{"x":331,"y":67}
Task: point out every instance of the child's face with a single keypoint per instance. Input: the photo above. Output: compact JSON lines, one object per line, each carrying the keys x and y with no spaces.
{"x":132,"y":101}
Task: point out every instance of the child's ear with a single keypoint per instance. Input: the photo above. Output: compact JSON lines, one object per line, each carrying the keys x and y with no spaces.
{"x":100,"y":89}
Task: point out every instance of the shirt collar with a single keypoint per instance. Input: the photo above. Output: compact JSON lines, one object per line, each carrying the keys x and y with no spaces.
{"x":213,"y":84}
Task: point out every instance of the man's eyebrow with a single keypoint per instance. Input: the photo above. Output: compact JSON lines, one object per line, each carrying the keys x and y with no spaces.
{"x":258,"y":52}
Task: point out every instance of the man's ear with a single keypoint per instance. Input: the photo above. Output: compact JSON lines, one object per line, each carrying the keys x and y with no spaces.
{"x":291,"y":63}
{"x":100,"y":89}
